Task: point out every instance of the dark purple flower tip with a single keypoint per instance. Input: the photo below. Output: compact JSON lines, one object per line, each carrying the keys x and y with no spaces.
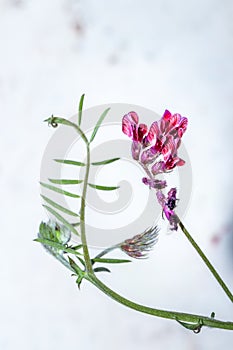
{"x":169,"y":204}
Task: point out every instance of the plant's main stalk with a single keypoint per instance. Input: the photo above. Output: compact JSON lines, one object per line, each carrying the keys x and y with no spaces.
{"x":82,"y":215}
{"x":199,"y":320}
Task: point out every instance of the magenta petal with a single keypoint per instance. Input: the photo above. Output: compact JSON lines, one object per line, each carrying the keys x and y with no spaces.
{"x":161,"y":198}
{"x":169,"y":149}
{"x":153,"y":133}
{"x":127,"y":127}
{"x":142,"y":130}
{"x":172,"y":162}
{"x":149,"y":155}
{"x":129,"y":124}
{"x":168,"y":212}
{"x":135,"y":149}
{"x":180,"y":162}
{"x":175,"y":120}
{"x":157,"y":184}
{"x":157,"y":168}
{"x":166,"y":115}
{"x":132,"y":117}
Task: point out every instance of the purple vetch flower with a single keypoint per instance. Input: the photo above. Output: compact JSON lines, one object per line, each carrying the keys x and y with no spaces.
{"x":162,"y":140}
{"x":139,"y":246}
{"x":155,"y":149}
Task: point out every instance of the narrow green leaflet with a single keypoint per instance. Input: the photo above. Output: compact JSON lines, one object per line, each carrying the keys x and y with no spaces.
{"x":107,"y":161}
{"x":57,"y":245}
{"x":79,"y":281}
{"x":75,"y":267}
{"x":81,"y":261}
{"x":104,"y":188}
{"x":68,"y":161}
{"x":101,"y":269}
{"x":61,"y":219}
{"x":58,"y":206}
{"x":80,"y":109}
{"x":110,"y":261}
{"x":65,"y":181}
{"x":103,"y":115}
{"x":59,"y":190}
{"x":76,"y":247}
{"x":75,"y":224}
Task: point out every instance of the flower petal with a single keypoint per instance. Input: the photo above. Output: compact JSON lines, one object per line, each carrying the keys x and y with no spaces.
{"x":142,"y":130}
{"x":129,"y":123}
{"x":172,"y":162}
{"x":158,"y":168}
{"x":135,"y":149}
{"x":167,"y":115}
{"x":153,"y":134}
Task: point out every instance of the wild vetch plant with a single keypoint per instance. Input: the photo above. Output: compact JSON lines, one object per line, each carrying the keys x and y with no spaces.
{"x":155,"y":149}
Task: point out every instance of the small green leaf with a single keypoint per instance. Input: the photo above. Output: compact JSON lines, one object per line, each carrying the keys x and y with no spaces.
{"x":75,"y":224}
{"x":103,"y":115}
{"x":58,"y":206}
{"x":56,"y":245}
{"x":107,"y":161}
{"x":61,"y":219}
{"x":110,"y":261}
{"x":101,"y":269}
{"x":80,"y":109}
{"x":76,"y":247}
{"x":81,"y":261}
{"x":104,"y":188}
{"x":68,"y":161}
{"x":59,"y":190}
{"x":75,"y":267}
{"x":79,"y":281}
{"x":195,"y":327}
{"x":65,"y":181}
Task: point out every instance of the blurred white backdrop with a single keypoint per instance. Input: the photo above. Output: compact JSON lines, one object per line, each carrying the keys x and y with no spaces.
{"x":158,"y":54}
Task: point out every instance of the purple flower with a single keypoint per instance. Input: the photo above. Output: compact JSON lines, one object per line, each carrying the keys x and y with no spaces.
{"x":163,"y":139}
{"x":155,"y":149}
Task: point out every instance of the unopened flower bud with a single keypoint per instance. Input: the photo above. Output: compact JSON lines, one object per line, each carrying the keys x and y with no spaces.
{"x":139,"y":246}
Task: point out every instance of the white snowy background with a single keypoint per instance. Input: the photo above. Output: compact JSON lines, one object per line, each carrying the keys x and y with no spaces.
{"x":158,"y":54}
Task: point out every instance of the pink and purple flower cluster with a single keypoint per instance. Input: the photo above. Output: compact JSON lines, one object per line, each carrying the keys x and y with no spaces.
{"x":155,"y":148}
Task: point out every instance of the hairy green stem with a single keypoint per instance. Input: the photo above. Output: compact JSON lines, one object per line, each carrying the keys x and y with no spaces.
{"x":82,"y":215}
{"x":173,"y":315}
{"x":106,"y":251}
{"x":206,"y":261}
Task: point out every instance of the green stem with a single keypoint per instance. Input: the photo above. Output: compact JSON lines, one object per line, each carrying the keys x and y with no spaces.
{"x":106,"y":251}
{"x":178,"y":316}
{"x":206,"y":261}
{"x":82,"y":216}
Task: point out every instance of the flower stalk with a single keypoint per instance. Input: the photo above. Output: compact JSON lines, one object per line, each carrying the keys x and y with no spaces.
{"x":206,"y":261}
